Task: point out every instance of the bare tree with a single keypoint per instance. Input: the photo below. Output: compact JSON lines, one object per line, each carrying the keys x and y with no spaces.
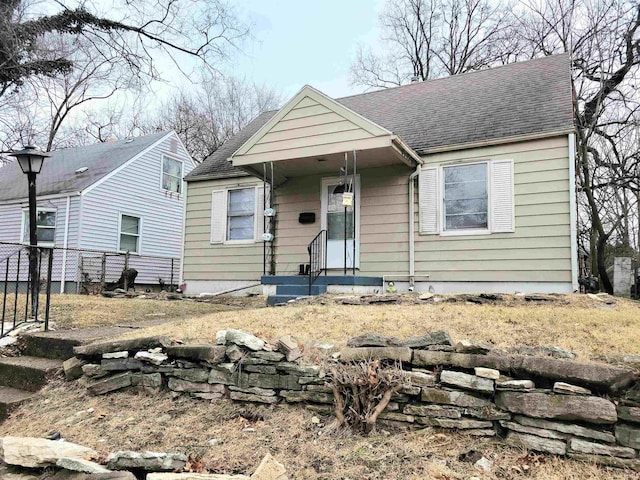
{"x":433,"y":38}
{"x":205,"y":117}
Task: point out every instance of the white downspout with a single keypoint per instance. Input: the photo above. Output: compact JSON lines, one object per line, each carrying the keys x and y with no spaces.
{"x":63,"y":273}
{"x":412,"y":227}
{"x":573,"y":212}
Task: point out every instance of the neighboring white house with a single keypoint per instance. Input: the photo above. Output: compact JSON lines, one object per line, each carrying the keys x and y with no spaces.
{"x":120,"y":196}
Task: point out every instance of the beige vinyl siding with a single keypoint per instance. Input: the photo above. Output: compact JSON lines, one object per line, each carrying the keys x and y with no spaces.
{"x":205,"y":261}
{"x":540,"y":248}
{"x":384,"y":237}
{"x":307,"y":128}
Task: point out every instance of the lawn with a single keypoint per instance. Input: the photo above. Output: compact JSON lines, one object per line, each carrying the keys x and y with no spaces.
{"x":229,"y":438}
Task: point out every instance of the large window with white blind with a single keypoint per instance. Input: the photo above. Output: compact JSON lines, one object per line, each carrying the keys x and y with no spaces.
{"x":237,"y":215}
{"x":465,"y":197}
{"x":240,"y":214}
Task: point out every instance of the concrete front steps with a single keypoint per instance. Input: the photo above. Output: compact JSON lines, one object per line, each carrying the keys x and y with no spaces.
{"x":290,"y":287}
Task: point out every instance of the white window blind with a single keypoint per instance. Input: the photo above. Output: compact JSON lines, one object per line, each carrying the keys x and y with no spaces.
{"x":502,"y":208}
{"x":428,"y":200}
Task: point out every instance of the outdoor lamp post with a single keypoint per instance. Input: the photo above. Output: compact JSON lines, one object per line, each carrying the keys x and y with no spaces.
{"x":30,"y":160}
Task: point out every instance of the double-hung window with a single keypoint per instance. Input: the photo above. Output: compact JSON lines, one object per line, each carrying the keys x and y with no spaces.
{"x":240,"y":214}
{"x":171,"y":174}
{"x":45,"y":226}
{"x":129,"y":240}
{"x":465,"y":197}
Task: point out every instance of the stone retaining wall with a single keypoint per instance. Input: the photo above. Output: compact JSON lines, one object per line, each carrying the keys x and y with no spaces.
{"x":536,"y":400}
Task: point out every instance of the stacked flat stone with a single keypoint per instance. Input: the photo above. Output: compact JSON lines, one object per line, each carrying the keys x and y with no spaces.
{"x":546,"y":403}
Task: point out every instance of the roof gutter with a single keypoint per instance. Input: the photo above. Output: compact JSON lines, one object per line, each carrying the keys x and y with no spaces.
{"x":40,"y":197}
{"x":202,"y":178}
{"x":497,"y":141}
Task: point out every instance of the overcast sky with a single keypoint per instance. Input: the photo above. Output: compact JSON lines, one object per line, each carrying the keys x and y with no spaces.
{"x":300,"y":42}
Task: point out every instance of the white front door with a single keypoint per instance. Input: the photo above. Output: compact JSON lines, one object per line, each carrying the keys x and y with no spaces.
{"x":334,"y":219}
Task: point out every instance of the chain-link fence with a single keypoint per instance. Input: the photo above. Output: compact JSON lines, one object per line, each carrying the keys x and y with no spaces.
{"x":92,"y":271}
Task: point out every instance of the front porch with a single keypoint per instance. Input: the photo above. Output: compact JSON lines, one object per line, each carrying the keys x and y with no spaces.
{"x":283,"y":288}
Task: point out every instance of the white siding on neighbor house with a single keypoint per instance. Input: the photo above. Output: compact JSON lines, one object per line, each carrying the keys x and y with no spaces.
{"x":136,"y":190}
{"x":539,"y":250}
{"x":204,"y":261}
{"x":11,"y":231}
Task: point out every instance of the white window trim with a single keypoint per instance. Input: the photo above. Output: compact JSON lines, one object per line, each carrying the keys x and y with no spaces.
{"x":442,"y":216}
{"x":23,"y":224}
{"x":226,"y":215}
{"x":172,"y":157}
{"x":120,"y":215}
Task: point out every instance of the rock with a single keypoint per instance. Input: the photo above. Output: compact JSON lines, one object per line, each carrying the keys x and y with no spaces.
{"x":629,"y":414}
{"x":568,"y":428}
{"x":421,"y":379}
{"x":112,"y":355}
{"x":80,"y":465}
{"x":373,"y":340}
{"x":221,"y":337}
{"x":489,"y":373}
{"x":178,"y":385}
{"x":397,"y":354}
{"x":542,"y":351}
{"x":97,"y":349}
{"x":481,"y":432}
{"x":306,"y":396}
{"x":147,"y":380}
{"x":265,"y":358}
{"x":621,"y":359}
{"x":533,"y":442}
{"x":269,"y":469}
{"x":212,"y":354}
{"x":539,"y":432}
{"x":486,"y":413}
{"x":73,"y":368}
{"x":295,"y":369}
{"x":396,"y":417}
{"x":600,"y":376}
{"x":568,"y":389}
{"x":323,"y":347}
{"x":148,"y":461}
{"x":441,"y":337}
{"x":221,"y":375}
{"x":242,"y":338}
{"x":437,"y":411}
{"x":265,"y":392}
{"x":290,"y":347}
{"x":426,"y":296}
{"x":558,"y":407}
{"x":628,"y":435}
{"x":484,"y":464}
{"x":234,"y":353}
{"x":452,"y":397}
{"x":465,"y":381}
{"x":582,"y":446}
{"x":515,"y":385}
{"x":473,"y":346}
{"x":410,"y":390}
{"x":197,"y":375}
{"x":110,"y":384}
{"x":120,"y":364}
{"x":250,"y":397}
{"x":92,"y":370}
{"x":428,"y":358}
{"x":152,"y":358}
{"x":40,"y":453}
{"x":631,"y":464}
{"x":461,"y":424}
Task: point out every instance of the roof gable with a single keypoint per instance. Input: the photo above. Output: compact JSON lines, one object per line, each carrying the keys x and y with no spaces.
{"x":308,"y":114}
{"x":58,"y":175}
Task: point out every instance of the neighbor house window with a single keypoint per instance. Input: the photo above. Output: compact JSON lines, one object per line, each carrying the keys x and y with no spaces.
{"x":240,"y":214}
{"x":129,"y":234}
{"x":466,"y":204}
{"x":171,"y":174}
{"x":45,"y":226}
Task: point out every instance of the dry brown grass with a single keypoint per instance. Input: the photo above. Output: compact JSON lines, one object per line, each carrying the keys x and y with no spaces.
{"x":579,"y":323}
{"x":81,"y":311}
{"x":130,"y":421}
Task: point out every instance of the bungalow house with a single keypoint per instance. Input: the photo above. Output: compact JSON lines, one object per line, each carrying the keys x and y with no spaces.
{"x":459,"y":184}
{"x":120,"y":196}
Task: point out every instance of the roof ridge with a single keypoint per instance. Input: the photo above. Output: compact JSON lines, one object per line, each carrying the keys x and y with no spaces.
{"x":458,"y":75}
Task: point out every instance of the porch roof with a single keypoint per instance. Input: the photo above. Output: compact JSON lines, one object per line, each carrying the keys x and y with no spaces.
{"x":516,"y":101}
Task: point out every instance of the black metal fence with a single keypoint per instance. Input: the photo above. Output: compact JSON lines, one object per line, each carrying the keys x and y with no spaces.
{"x":317,"y":257}
{"x":18,"y":304}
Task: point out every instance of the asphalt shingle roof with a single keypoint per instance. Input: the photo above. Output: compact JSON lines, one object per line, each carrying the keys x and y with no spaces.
{"x":514,"y":100}
{"x":58,"y":172}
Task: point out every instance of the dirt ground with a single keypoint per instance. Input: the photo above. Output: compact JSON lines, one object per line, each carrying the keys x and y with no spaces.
{"x":223,"y":437}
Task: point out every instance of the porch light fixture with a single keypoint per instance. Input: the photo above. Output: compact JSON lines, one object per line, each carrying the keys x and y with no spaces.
{"x":30,"y":160}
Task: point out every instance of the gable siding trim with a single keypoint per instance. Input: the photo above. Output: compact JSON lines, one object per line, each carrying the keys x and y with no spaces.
{"x":125,"y":164}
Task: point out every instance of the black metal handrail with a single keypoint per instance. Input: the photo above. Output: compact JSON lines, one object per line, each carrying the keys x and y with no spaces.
{"x":317,"y":257}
